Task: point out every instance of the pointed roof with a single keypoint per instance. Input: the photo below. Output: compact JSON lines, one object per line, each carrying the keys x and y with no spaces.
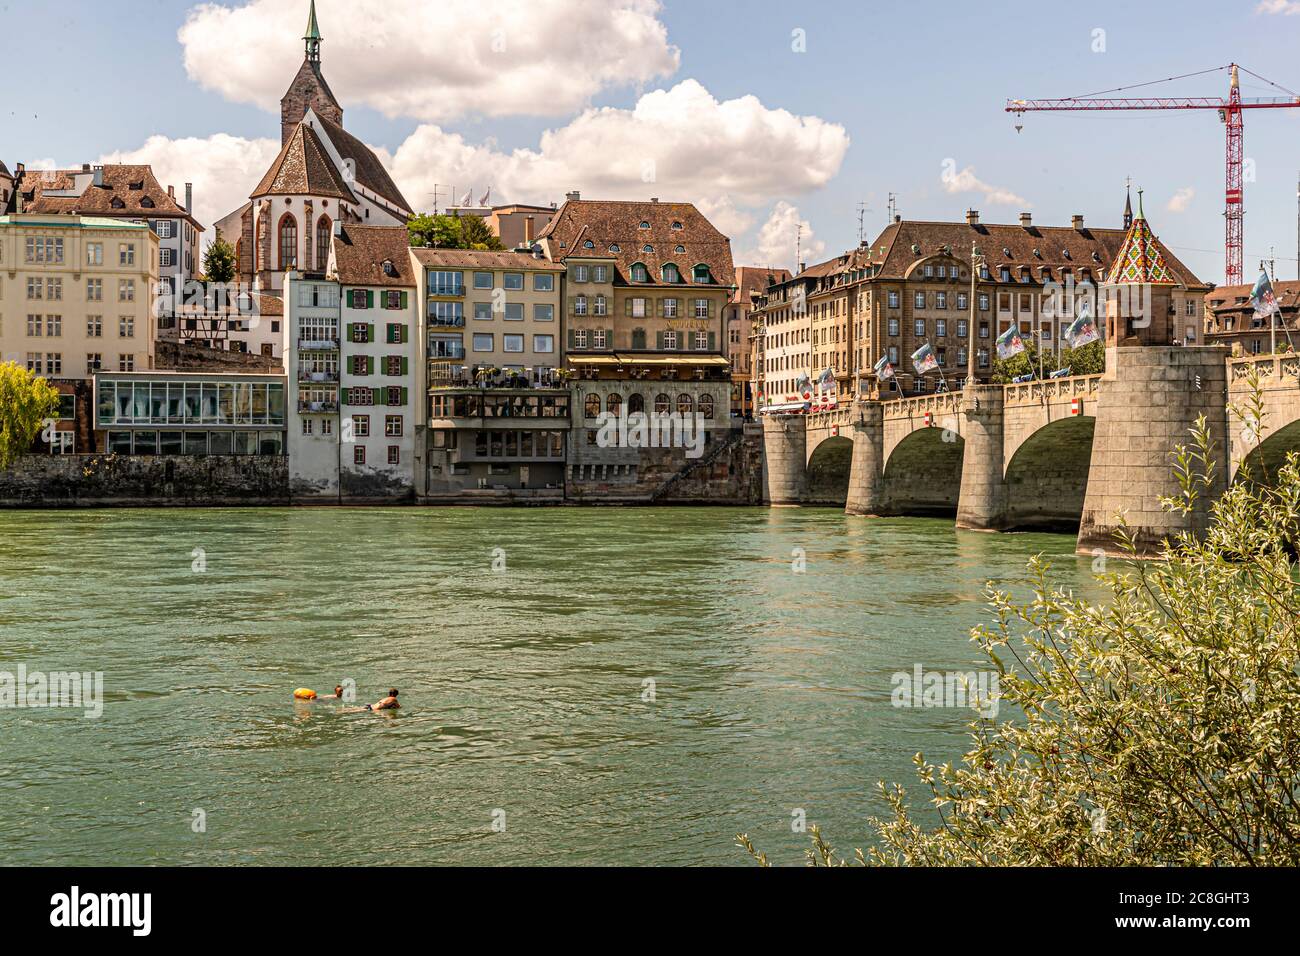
{"x":313,"y":30}
{"x":370,"y":172}
{"x":4,"y":170}
{"x":303,"y":168}
{"x":1139,"y":260}
{"x":1128,"y":207}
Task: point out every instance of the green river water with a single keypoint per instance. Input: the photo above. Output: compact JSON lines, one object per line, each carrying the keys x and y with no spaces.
{"x":523,"y":689}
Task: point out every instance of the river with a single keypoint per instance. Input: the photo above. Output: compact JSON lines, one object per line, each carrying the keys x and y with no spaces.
{"x":579,"y":686}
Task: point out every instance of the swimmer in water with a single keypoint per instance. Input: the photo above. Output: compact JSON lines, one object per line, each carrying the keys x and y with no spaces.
{"x":308,"y":695}
{"x":388,"y":703}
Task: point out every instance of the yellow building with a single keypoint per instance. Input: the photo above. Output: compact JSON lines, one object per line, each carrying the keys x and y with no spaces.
{"x":76,"y":294}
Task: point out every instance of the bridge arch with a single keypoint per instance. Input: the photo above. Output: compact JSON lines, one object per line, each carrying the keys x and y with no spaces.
{"x":1265,"y":459}
{"x":923,"y":473}
{"x":829,"y":465}
{"x":1047,"y":477}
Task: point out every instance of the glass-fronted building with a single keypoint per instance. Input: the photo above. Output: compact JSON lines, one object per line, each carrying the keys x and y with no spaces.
{"x":190,"y":413}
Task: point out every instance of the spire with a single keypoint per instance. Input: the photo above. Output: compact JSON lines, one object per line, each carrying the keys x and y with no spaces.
{"x":312,"y":37}
{"x":1139,"y":261}
{"x":1128,"y":204}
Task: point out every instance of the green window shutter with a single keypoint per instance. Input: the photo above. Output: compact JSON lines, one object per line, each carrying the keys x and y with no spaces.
{"x":405,"y":394}
{"x":609,"y":338}
{"x":370,"y":365}
{"x":347,"y":396}
{"x":573,"y":338}
{"x":370,"y":329}
{"x":627,"y":307}
{"x":348,"y":327}
{"x":713,"y":341}
{"x":659,"y":307}
{"x":381,"y":396}
{"x":406,"y":367}
{"x":659,"y":341}
{"x":405,"y":299}
{"x":570,"y":312}
{"x":406,"y":334}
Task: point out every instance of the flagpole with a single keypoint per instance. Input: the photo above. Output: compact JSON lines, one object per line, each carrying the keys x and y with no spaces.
{"x":1272,"y":320}
{"x":1277,"y":311}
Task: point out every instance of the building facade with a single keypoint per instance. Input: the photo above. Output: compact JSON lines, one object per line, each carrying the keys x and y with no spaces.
{"x":1230,"y":320}
{"x":351,"y":348}
{"x":493,"y":334}
{"x":751,"y":281}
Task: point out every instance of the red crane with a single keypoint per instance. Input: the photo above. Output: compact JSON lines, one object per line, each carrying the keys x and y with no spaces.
{"x":1229,"y":114}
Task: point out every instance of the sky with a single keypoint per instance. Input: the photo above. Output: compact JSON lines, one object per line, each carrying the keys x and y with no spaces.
{"x":778,"y":119}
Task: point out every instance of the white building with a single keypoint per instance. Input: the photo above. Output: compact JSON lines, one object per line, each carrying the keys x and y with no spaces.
{"x":352,"y":347}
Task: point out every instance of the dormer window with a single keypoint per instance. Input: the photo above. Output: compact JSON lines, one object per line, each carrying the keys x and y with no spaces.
{"x":645,"y":224}
{"x":589,"y":245}
{"x":137,"y":187}
{"x":146,"y":202}
{"x":677,"y":226}
{"x":670,"y":273}
{"x":680,"y":250}
{"x":1096,"y":256}
{"x":1006,"y":252}
{"x":1065,"y":253}
{"x":389,"y":268}
{"x":1037,"y":254}
{"x":117,"y":203}
{"x":640,"y":273}
{"x":702,"y":276}
{"x":614,"y":247}
{"x":647,"y":248}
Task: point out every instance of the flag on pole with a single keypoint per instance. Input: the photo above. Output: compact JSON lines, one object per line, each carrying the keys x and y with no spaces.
{"x":883,"y":369}
{"x":826,"y":378}
{"x":804,"y":386}
{"x":1010,"y":343}
{"x":924,"y":360}
{"x":486,"y":196}
{"x":1081,"y":331}
{"x":1262,"y":297}
{"x":1060,"y":373}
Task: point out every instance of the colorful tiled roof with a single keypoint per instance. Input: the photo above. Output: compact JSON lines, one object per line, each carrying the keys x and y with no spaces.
{"x":1139,"y":261}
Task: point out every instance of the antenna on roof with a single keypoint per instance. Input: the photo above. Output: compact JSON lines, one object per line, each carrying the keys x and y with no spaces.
{"x":863,"y":209}
{"x":893,"y":206}
{"x":798,"y":244}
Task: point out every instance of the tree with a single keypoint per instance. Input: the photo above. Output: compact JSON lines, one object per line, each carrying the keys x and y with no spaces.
{"x":219,"y":261}
{"x":26,"y":402}
{"x":1087,"y":359}
{"x":1159,"y":728}
{"x":453,"y":232}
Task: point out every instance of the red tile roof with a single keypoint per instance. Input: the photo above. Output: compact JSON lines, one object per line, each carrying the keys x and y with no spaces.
{"x":753,"y":280}
{"x":370,"y":172}
{"x":361,"y":251}
{"x":484,"y":259}
{"x":669,"y":225}
{"x":127,"y":191}
{"x":1224,"y":298}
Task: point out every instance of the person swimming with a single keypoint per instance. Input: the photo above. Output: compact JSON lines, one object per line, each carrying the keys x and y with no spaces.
{"x":307,"y":694}
{"x":388,"y":703}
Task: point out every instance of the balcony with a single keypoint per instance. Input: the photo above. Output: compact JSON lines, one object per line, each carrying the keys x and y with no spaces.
{"x":454,"y":291}
{"x":306,"y":375}
{"x":447,"y":321}
{"x":454,"y":375}
{"x":318,"y":344}
{"x":318,"y":408}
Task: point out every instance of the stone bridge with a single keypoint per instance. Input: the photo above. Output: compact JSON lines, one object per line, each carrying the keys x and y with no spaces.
{"x":1059,"y":454}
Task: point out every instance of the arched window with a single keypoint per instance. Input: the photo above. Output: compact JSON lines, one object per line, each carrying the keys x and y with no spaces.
{"x":640,"y":273}
{"x":593,"y":405}
{"x":322,"y":243}
{"x":706,"y":407}
{"x":636,"y":404}
{"x":614,"y":403}
{"x":685,"y":404}
{"x":288,"y":242}
{"x":701,"y":275}
{"x":662,"y":404}
{"x":670,"y":273}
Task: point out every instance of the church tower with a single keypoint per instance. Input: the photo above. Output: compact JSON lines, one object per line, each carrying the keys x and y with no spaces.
{"x":309,"y":89}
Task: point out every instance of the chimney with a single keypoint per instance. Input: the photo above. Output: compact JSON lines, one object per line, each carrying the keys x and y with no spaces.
{"x":802,"y":267}
{"x":654,"y":199}
{"x":19,"y":169}
{"x":898,"y":219}
{"x":1076,"y":221}
{"x":574,"y":196}
{"x":99,"y":176}
{"x":338,"y":227}
{"x":1026,"y":220}
{"x":171,"y":193}
{"x":189,"y":198}
{"x":528,"y":230}
{"x":85,"y":167}
{"x":972,"y":217}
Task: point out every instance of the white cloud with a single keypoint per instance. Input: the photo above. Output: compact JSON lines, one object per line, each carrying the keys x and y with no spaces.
{"x":224,"y":169}
{"x":680,"y":144}
{"x":1181,"y":199}
{"x":966,"y":181}
{"x":777,"y":239}
{"x":1288,"y":8}
{"x":434,"y":61}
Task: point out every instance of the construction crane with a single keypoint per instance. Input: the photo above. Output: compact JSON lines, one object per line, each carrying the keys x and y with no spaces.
{"x":1230,"y":111}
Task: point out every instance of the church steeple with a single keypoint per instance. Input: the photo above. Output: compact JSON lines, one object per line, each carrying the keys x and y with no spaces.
{"x":1128,"y":204}
{"x":312,"y":38}
{"x":309,"y":89}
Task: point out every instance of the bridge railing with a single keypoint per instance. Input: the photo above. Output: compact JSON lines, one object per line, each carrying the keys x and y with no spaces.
{"x":1280,"y":367}
{"x":1036,"y":392}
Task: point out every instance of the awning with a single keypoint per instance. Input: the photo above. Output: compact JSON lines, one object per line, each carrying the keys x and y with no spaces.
{"x":623,"y":358}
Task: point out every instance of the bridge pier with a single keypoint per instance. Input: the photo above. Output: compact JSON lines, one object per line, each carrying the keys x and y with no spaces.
{"x":866,"y":476}
{"x":982,"y":505}
{"x":785,"y":471}
{"x":1148,"y":401}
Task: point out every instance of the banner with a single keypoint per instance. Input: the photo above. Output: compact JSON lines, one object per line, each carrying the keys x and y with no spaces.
{"x":1081,"y":332}
{"x":924,"y":360}
{"x":884,"y":371}
{"x":1010,"y":343}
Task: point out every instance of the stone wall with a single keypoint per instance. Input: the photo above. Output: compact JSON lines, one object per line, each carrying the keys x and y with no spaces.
{"x":191,"y":357}
{"x":729,"y":472}
{"x":77,"y":481}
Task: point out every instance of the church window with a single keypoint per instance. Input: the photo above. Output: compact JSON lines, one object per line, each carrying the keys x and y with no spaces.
{"x":288,"y":242}
{"x":322,"y":243}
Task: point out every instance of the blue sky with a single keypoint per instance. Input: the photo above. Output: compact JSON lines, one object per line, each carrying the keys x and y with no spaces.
{"x":912,"y":85}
